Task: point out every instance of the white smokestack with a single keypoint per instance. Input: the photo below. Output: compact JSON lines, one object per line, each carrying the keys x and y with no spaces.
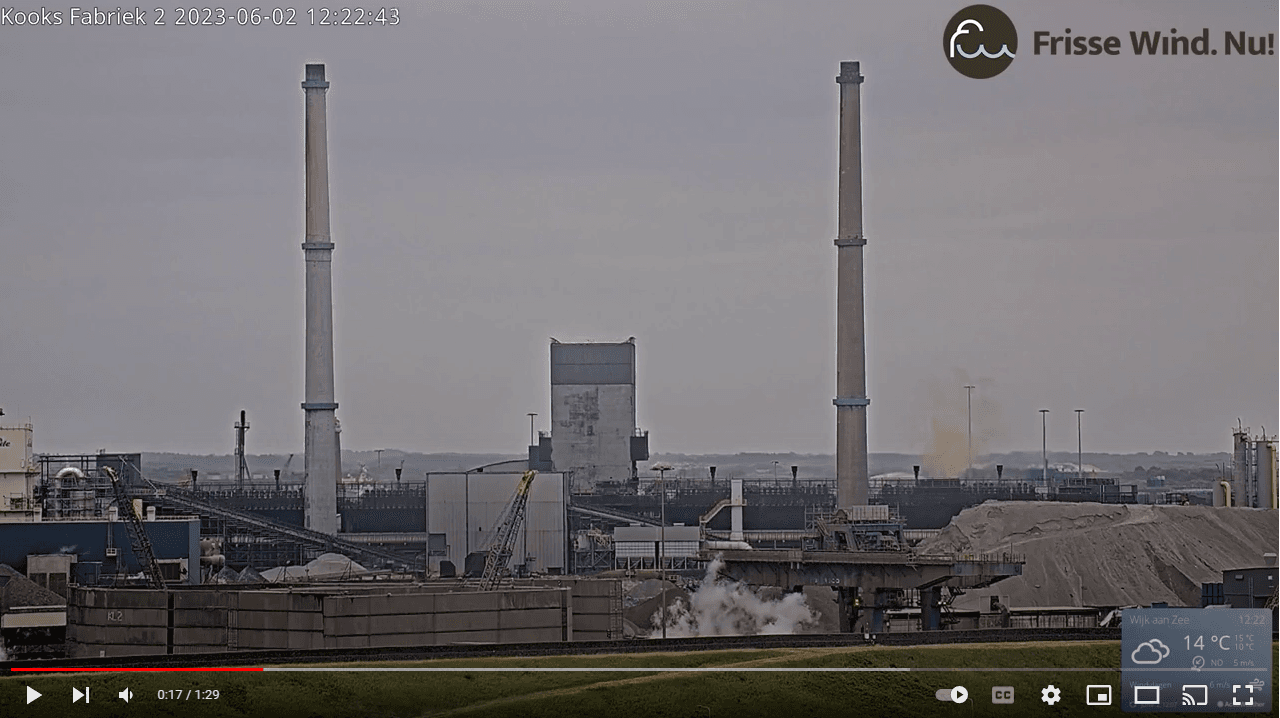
{"x":322,"y":461}
{"x":851,"y":364}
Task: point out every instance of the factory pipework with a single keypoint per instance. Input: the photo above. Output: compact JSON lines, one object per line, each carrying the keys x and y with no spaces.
{"x":322,"y":453}
{"x":851,"y":366}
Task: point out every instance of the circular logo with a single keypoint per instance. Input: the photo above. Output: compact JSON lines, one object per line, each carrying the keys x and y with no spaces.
{"x":980,"y":41}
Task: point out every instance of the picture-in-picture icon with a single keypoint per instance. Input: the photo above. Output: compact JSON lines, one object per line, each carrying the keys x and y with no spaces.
{"x":1098,"y":695}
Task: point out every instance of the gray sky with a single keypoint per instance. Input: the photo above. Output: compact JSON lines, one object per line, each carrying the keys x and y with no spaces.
{"x":1078,"y":232}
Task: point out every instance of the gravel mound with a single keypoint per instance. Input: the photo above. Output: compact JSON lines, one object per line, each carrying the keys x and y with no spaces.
{"x":20,"y":591}
{"x":1108,"y":554}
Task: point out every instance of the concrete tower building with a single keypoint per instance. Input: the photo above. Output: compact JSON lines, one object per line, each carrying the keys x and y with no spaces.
{"x":851,"y":358}
{"x":593,"y":412}
{"x":323,"y":457}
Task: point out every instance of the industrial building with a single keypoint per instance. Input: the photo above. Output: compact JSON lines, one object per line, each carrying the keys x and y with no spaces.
{"x":593,"y":413}
{"x":61,"y":512}
{"x":1253,"y":481}
{"x":18,"y":472}
{"x":1254,"y":587}
{"x":464,"y":508}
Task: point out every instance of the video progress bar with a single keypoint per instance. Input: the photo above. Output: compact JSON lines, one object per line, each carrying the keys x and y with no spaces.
{"x":707,"y":669}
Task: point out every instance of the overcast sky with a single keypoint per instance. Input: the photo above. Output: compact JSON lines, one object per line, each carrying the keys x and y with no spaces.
{"x":1078,"y":232}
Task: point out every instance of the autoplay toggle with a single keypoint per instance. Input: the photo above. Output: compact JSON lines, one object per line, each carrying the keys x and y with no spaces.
{"x":959,"y":694}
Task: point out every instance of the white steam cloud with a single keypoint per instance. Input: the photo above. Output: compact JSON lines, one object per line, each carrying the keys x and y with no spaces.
{"x":729,"y":608}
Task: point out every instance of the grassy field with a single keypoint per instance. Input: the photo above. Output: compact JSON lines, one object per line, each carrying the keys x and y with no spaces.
{"x":605,"y":693}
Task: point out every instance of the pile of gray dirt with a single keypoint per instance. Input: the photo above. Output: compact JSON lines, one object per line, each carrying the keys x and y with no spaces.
{"x":1088,"y":554}
{"x":20,"y":591}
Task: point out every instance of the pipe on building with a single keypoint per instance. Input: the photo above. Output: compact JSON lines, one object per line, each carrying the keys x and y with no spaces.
{"x":727,"y":546}
{"x":1222,"y":494}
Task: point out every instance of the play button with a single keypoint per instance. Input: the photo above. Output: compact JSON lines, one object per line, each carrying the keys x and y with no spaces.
{"x":959,"y":694}
{"x":32,"y":694}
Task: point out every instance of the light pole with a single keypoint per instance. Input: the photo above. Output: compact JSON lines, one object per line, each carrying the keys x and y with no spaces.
{"x":532,"y":438}
{"x":1079,"y":447}
{"x":969,"y":388}
{"x":662,"y":470}
{"x":1044,"y":448}
{"x":775,"y":472}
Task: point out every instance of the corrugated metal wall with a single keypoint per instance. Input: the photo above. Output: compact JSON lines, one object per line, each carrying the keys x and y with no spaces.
{"x":593,"y":363}
{"x":88,"y":541}
{"x":466,"y":507}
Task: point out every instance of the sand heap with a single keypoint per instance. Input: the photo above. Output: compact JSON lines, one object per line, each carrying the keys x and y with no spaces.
{"x":1108,"y":554}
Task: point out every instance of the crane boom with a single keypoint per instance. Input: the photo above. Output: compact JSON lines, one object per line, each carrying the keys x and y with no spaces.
{"x":504,"y":538}
{"x":137,"y":533}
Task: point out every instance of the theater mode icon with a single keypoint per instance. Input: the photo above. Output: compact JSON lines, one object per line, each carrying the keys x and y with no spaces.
{"x":1146,"y":695}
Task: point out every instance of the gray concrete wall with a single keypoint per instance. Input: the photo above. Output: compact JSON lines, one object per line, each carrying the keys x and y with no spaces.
{"x":596,"y":606}
{"x":117,"y":622}
{"x":591,"y":428}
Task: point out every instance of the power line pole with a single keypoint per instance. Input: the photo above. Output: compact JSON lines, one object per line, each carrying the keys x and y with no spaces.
{"x":1044,"y":447}
{"x":969,"y":388}
{"x":1079,"y":447}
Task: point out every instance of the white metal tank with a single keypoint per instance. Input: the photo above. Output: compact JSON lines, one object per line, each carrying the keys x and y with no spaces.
{"x":1265,"y":455}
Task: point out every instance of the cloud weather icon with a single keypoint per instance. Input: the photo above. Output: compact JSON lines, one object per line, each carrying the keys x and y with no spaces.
{"x":1150,"y":652}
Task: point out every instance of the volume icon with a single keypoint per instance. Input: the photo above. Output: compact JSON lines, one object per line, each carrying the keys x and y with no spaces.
{"x":125,"y":695}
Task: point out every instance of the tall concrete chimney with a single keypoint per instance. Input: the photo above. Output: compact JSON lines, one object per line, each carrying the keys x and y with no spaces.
{"x":322,"y":458}
{"x":851,"y":361}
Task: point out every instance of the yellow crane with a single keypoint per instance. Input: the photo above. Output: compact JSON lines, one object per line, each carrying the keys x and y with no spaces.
{"x":504,"y":537}
{"x":137,"y":532}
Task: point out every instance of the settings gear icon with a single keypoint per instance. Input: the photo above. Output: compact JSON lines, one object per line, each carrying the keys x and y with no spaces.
{"x":1051,"y":694}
